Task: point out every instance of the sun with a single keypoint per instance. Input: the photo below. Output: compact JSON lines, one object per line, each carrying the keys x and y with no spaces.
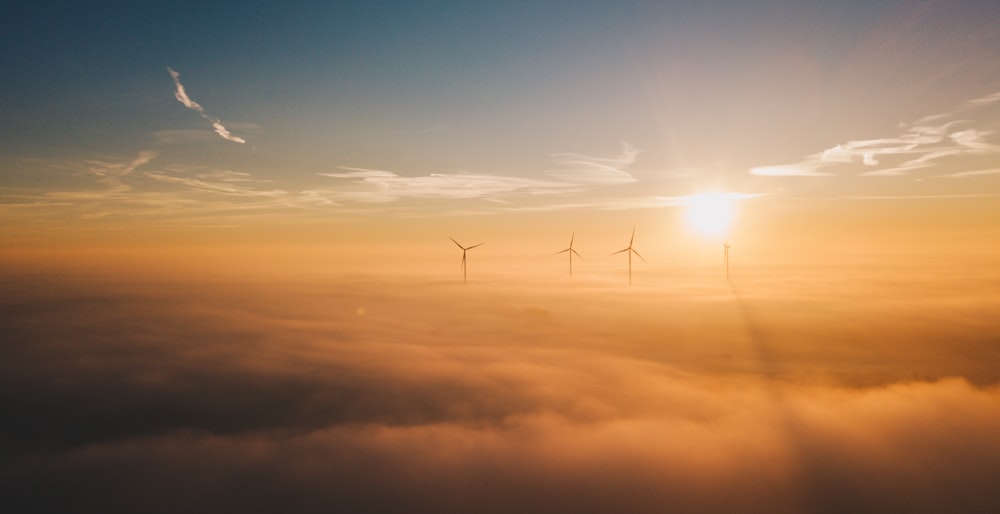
{"x":710,"y":214}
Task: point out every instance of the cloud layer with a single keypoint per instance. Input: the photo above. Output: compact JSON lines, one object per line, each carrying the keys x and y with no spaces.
{"x":166,"y":394}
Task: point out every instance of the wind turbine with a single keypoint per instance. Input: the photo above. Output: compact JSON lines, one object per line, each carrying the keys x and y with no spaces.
{"x":465,"y":275}
{"x":570,"y":251}
{"x":630,"y":251}
{"x":725,"y":257}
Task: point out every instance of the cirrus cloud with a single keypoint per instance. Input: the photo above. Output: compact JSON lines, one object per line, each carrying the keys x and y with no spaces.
{"x":932,"y":142}
{"x":181,"y":95}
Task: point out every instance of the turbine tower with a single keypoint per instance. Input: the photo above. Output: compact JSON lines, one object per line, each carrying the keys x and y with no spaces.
{"x":630,"y":251}
{"x":570,"y":251}
{"x":725,"y":258}
{"x":465,"y":275}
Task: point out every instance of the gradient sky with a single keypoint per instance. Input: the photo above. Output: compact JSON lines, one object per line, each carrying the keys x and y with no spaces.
{"x":226,"y":283}
{"x":340,"y":118}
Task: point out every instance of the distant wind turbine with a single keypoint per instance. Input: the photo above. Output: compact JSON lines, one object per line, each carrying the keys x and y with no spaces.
{"x":630,"y":251}
{"x":465,"y":275}
{"x":725,"y":258}
{"x":570,"y":251}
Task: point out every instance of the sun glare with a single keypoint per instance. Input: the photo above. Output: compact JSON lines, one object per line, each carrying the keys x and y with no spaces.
{"x":710,"y":214}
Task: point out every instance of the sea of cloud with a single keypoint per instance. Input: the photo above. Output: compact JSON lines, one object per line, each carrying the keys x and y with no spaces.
{"x":814,"y":391}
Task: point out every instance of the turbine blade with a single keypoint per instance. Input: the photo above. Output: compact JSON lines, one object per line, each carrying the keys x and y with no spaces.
{"x":620,"y":251}
{"x":631,"y":238}
{"x":576,"y":252}
{"x":456,"y":243}
{"x":637,"y":254}
{"x":463,"y":260}
{"x":473,"y":246}
{"x":562,"y":251}
{"x":571,"y":237}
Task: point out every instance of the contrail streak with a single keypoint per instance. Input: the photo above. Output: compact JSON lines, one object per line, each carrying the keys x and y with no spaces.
{"x":181,"y":95}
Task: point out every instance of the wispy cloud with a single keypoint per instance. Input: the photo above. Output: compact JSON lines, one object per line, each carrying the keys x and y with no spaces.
{"x":113,"y":174}
{"x":589,"y":169}
{"x":973,"y":173}
{"x":224,"y":182}
{"x":113,"y":166}
{"x":578,"y":173}
{"x":929,"y":142}
{"x":789,"y":170}
{"x":379,"y":186}
{"x":630,"y":203}
{"x":129,"y":188}
{"x":924,"y":197}
{"x":103,"y":169}
{"x":985,"y":100}
{"x":181,"y":94}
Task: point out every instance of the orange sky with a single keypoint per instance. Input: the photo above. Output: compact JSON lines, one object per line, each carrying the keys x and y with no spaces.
{"x":765,"y":232}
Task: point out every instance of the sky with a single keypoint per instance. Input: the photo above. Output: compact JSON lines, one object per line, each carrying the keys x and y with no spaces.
{"x":226,"y":270}
{"x":171,"y":123}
